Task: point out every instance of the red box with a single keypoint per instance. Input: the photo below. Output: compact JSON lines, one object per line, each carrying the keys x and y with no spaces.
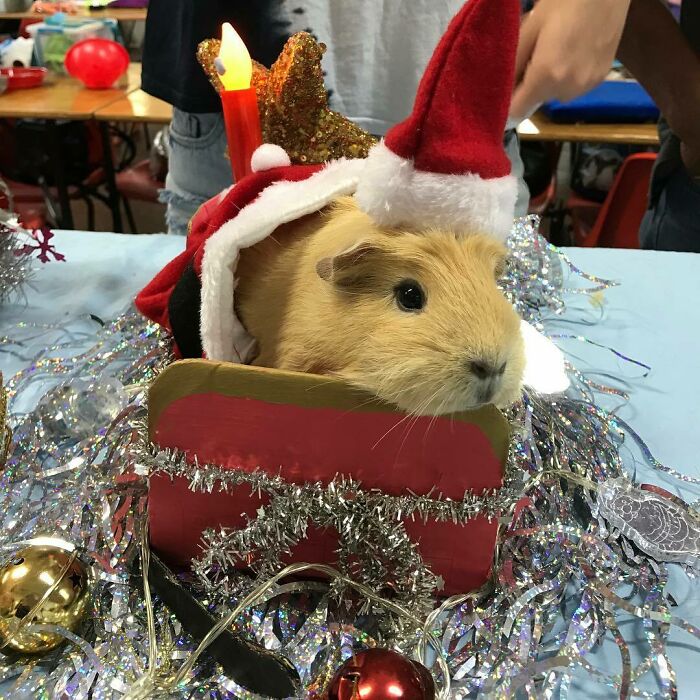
{"x":311,"y":428}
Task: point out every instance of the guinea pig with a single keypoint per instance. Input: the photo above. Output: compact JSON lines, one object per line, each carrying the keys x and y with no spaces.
{"x":415,"y":318}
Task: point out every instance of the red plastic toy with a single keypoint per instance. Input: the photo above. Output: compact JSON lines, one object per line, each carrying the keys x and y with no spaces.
{"x":18,"y":78}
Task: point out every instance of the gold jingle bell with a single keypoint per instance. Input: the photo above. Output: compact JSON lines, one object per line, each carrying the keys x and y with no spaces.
{"x":42,"y":584}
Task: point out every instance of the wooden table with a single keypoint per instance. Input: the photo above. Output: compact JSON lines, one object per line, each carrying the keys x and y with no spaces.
{"x":122,"y":14}
{"x":66,"y":98}
{"x":540,"y":128}
{"x":137,"y":106}
{"x":62,"y":97}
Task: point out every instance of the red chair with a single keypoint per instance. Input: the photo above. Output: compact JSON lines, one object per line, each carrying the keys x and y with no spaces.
{"x":584,"y":213}
{"x":617,"y":223}
{"x":541,"y":203}
{"x":32,"y":215}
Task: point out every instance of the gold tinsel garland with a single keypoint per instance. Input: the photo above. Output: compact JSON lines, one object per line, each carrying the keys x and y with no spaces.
{"x":5,"y":432}
{"x":293,"y":103}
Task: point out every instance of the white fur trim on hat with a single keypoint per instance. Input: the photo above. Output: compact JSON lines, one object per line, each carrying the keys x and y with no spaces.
{"x":269,"y":156}
{"x":223,"y":336}
{"x":394,"y":193}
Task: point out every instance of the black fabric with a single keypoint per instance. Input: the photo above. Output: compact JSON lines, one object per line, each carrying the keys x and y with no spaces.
{"x":671,"y":222}
{"x":261,"y":671}
{"x":690,"y":22}
{"x":184,"y":313}
{"x":669,"y":158}
{"x":537,"y":162}
{"x":174,"y":29}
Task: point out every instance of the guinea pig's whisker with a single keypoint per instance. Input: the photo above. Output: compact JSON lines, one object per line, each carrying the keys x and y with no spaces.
{"x":397,"y":394}
{"x":413,"y":415}
{"x":328,"y":380}
{"x":371,"y":399}
{"x":446,"y":401}
{"x":393,"y":427}
{"x":430,"y":425}
{"x":412,"y":424}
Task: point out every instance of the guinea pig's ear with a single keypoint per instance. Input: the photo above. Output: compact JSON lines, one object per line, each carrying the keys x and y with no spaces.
{"x":349,"y":266}
{"x":500,"y":264}
{"x":497,"y":253}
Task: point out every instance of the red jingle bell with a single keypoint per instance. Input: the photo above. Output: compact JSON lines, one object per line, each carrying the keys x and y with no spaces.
{"x":97,"y":63}
{"x":381,"y":674}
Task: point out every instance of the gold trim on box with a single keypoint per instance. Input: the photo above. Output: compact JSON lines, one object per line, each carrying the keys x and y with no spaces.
{"x":191,"y":377}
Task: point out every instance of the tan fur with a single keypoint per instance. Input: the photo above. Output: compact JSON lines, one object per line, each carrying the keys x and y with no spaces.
{"x":349,"y":324}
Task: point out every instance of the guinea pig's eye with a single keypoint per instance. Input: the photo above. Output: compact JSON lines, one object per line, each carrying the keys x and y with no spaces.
{"x":409,"y":295}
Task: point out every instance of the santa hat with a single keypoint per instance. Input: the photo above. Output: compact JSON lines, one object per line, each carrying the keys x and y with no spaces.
{"x":443,"y":166}
{"x":193,"y":296}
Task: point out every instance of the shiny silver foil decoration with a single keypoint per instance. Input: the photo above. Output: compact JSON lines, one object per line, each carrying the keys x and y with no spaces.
{"x":534,"y":278}
{"x":567,"y":572}
{"x":657,"y":523}
{"x":14,"y":267}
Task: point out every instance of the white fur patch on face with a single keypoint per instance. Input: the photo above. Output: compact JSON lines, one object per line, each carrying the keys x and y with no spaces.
{"x":545,"y":369}
{"x":394,"y":193}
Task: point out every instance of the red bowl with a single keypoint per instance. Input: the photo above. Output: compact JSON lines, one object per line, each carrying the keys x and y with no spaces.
{"x":18,"y":78}
{"x":97,"y":63}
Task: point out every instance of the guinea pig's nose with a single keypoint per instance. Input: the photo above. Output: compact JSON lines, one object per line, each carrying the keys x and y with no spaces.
{"x":486,"y":370}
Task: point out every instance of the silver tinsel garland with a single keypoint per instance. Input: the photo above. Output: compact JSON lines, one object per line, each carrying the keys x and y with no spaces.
{"x":374,"y":547}
{"x":17,"y":246}
{"x":566,"y":568}
{"x":14,"y":267}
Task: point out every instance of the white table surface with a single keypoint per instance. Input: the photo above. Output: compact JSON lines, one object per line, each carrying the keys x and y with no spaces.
{"x":654,"y":316}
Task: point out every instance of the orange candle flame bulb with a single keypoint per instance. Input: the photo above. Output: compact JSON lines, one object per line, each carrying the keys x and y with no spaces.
{"x":235,"y":60}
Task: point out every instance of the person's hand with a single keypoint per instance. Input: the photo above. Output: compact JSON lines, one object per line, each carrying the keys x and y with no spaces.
{"x":566,"y":48}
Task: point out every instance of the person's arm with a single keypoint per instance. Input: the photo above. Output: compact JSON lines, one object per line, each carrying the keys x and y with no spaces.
{"x":655,"y":51}
{"x":566,"y":47}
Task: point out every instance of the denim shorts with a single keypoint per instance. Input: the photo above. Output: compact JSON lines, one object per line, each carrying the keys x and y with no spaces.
{"x":198,"y":166}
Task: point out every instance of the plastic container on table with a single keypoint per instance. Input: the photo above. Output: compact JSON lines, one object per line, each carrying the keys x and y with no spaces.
{"x":52,"y":41}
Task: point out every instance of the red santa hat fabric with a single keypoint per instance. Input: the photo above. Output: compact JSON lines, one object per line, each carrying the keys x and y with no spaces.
{"x":445,"y":165}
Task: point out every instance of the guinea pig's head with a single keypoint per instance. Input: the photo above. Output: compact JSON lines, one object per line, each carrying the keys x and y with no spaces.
{"x":423,"y":322}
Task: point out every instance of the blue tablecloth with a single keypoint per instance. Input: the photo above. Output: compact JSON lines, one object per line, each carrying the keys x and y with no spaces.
{"x":653,"y":316}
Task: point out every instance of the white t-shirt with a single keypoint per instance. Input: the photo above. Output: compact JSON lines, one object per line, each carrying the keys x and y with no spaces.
{"x":377,"y":52}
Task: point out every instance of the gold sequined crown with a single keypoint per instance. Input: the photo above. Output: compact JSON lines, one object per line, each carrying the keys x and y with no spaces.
{"x":293,"y":103}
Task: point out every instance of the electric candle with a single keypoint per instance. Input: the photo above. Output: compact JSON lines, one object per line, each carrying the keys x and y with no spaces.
{"x":239,"y":101}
